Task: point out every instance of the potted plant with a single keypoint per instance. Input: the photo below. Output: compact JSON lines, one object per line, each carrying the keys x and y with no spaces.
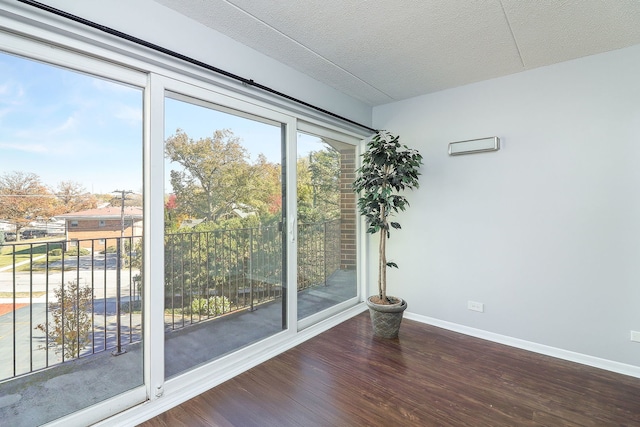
{"x":387,"y":169}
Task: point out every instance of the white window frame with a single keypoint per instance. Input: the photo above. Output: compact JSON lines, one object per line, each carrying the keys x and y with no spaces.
{"x":213,"y":373}
{"x":39,"y":50}
{"x":42,"y":37}
{"x":327,"y":132}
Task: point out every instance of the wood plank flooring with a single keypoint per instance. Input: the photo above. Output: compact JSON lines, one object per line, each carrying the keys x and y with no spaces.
{"x":427,"y":377}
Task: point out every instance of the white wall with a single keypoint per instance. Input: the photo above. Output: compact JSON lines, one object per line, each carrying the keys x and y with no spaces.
{"x":160,"y":25}
{"x":544,"y":232}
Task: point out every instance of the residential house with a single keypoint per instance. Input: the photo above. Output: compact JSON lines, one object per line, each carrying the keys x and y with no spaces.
{"x":543,"y":233}
{"x":92,"y":227}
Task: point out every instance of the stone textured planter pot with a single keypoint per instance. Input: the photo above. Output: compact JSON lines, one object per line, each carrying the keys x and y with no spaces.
{"x":386,"y":319}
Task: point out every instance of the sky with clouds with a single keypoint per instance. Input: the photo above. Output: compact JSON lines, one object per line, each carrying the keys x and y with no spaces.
{"x":68,"y":126}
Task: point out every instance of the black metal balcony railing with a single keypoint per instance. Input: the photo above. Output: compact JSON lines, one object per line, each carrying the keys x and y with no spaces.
{"x":87,"y":299}
{"x":72,"y":294}
{"x":318,"y":253}
{"x":213,"y":273}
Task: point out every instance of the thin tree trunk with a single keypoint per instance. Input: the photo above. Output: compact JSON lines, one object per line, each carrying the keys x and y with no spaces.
{"x":382,"y":273}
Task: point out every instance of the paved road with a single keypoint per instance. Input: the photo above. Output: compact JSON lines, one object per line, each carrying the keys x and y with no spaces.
{"x":21,"y":263}
{"x":102,"y":280}
{"x":87,"y":262}
{"x":20,"y":337}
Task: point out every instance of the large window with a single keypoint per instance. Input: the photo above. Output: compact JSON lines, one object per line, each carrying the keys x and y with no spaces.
{"x":326,"y":224}
{"x":70,"y":295}
{"x":224,"y":247}
{"x":164,"y":233}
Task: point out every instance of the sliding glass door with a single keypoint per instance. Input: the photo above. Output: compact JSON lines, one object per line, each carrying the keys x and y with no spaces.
{"x":157,"y":233}
{"x":326,"y":222}
{"x":225,"y":282}
{"x":71,"y":221}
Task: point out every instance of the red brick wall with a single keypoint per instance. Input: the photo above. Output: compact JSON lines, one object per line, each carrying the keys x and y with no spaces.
{"x":106,"y":234}
{"x":94,"y":225}
{"x":90,"y":229}
{"x":348,"y":213}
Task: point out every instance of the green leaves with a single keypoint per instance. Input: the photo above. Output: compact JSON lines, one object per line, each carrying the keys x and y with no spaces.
{"x":387,"y":169}
{"x":215,"y":175}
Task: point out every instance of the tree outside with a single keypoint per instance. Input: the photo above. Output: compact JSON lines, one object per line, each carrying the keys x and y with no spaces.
{"x":216,"y":176}
{"x":319,"y":186}
{"x":240,"y":205}
{"x":70,"y":329}
{"x":74,"y":197}
{"x":24,"y":198}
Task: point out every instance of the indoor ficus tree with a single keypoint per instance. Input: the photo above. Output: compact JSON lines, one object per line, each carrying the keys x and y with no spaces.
{"x":387,"y":169}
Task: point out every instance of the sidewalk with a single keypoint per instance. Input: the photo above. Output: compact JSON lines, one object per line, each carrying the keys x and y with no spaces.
{"x":25,"y":262}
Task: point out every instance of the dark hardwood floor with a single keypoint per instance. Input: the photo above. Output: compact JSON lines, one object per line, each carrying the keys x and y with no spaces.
{"x":426,"y":377}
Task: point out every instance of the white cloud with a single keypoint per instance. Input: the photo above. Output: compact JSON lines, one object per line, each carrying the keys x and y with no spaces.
{"x":131,"y":115}
{"x":30,"y":148}
{"x":11,"y":93}
{"x":44,"y":132}
{"x":69,"y":124}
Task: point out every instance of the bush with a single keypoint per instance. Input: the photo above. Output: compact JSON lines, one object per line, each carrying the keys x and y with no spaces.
{"x":110,"y":250}
{"x":74,"y":251}
{"x":214,"y":306}
{"x":55,"y":252}
{"x":72,"y":323}
{"x":131,"y":306}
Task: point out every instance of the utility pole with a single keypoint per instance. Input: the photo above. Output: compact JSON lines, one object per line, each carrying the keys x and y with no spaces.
{"x":119,"y":350}
{"x":122,"y":199}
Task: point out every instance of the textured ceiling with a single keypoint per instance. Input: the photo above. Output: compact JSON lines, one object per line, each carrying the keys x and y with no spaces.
{"x":380,"y":51}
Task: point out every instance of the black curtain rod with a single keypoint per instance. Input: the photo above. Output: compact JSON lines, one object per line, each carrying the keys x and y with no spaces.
{"x":185,"y":58}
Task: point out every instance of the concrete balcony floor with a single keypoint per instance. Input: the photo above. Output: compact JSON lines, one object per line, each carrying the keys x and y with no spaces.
{"x":48,"y":394}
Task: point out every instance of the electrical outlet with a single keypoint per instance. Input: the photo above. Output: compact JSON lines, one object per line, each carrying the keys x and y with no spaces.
{"x":475,"y":306}
{"x":635,"y":336}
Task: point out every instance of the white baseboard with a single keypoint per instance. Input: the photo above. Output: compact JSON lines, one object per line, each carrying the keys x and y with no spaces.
{"x":596,"y":362}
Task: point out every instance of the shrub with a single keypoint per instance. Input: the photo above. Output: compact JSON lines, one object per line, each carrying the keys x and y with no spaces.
{"x":71,"y":327}
{"x":74,"y":251}
{"x":131,"y":306}
{"x":55,"y":252}
{"x":213,"y":306}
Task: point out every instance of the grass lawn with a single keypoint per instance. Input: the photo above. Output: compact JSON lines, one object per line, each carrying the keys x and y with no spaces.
{"x":23,"y":252}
